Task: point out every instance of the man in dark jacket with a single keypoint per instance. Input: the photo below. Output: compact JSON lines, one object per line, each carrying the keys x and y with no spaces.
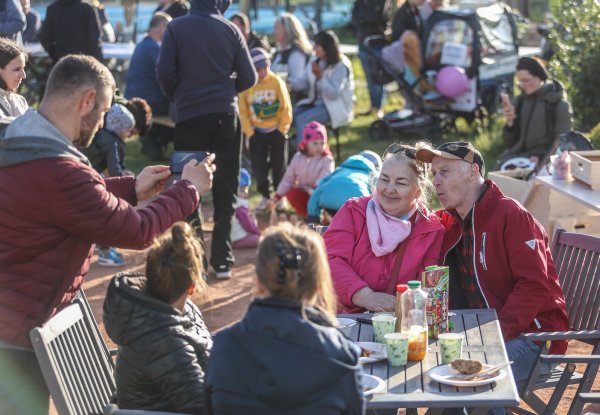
{"x":12,"y":20}
{"x":203,"y":64}
{"x":174,"y":8}
{"x":71,"y":26}
{"x":142,"y":83}
{"x":498,"y":254}
{"x":408,"y":18}
{"x":371,"y":18}
{"x":54,"y":207}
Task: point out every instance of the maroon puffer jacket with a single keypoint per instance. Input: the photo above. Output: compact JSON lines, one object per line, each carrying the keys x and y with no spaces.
{"x":51,"y":212}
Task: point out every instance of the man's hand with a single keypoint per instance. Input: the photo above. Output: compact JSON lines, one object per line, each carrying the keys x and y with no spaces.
{"x":151,"y":181}
{"x":374,"y":301}
{"x":200,"y":174}
{"x":508,"y":109}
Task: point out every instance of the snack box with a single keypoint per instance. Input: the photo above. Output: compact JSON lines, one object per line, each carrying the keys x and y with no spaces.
{"x":436,"y":283}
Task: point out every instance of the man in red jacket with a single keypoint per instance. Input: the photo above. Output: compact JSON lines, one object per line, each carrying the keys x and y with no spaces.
{"x":54,"y":207}
{"x":497,"y":252}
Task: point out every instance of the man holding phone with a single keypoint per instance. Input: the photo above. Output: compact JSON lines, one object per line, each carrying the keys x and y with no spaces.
{"x":54,"y":206}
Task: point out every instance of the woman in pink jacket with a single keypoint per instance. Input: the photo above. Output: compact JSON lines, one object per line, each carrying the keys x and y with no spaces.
{"x":311,"y":163}
{"x":379,"y":241}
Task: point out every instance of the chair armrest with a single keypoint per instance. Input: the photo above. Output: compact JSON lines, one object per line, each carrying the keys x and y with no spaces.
{"x":561,"y":335}
{"x":593,"y":397}
{"x":571,"y":358}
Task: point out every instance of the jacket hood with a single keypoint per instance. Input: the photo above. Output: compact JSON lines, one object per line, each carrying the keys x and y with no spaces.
{"x":66,"y":3}
{"x":210,"y":6}
{"x":359,"y":162}
{"x":273,"y":331}
{"x":32,"y":137}
{"x":129,"y":313}
{"x":551,"y":92}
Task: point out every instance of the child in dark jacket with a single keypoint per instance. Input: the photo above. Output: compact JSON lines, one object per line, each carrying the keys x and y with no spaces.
{"x":286,"y":356}
{"x":107,"y":156}
{"x":163,"y":341}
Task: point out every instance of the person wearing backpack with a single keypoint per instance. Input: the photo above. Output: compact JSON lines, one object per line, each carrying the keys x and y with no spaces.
{"x":540,"y":114}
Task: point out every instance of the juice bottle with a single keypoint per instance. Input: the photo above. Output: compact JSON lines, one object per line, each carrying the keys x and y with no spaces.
{"x":400,"y":288}
{"x":414,"y":320}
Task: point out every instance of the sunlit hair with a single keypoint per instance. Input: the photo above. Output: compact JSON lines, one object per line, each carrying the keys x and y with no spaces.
{"x":407,"y":154}
{"x":295,"y":35}
{"x":158,"y":19}
{"x":308,"y":283}
{"x":73,"y":73}
{"x":9,"y":50}
{"x":174,"y":264}
{"x":141,"y":112}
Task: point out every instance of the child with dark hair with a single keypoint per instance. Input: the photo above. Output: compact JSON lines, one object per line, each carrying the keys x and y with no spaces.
{"x":142,"y":113}
{"x":286,"y":356}
{"x":12,"y":71}
{"x":310,"y":164}
{"x":163,"y":341}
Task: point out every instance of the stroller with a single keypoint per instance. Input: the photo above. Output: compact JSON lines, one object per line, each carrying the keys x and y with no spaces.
{"x":479,"y":39}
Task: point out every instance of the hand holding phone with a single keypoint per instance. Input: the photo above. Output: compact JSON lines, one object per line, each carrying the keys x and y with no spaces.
{"x":508,"y":109}
{"x":200,"y":174}
{"x":181,"y":158}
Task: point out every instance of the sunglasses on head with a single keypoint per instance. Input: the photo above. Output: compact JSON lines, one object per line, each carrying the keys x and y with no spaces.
{"x":400,"y":148}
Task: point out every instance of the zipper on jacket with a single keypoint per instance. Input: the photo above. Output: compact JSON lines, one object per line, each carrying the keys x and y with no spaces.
{"x":474,"y":261}
{"x":482,"y":252}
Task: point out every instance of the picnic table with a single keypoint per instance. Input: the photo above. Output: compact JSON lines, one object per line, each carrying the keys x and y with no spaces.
{"x":411,"y":387}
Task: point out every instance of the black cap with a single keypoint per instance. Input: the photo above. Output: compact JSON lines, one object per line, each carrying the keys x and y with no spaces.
{"x":533,"y":66}
{"x":456,"y":150}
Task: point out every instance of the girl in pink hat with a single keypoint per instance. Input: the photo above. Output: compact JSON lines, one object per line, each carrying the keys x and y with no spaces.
{"x":310,"y":164}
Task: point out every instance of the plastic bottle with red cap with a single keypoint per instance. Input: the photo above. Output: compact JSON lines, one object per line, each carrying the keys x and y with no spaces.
{"x":400,"y":288}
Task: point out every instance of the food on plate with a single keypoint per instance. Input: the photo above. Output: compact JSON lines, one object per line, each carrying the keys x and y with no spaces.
{"x":467,"y":367}
{"x":366,"y":352}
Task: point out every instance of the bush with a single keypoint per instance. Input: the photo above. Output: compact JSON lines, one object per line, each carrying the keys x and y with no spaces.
{"x":594,"y":136}
{"x":576,"y":40}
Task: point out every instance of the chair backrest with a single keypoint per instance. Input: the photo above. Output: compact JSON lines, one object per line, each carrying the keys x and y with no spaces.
{"x":74,"y":362}
{"x":577,"y":260}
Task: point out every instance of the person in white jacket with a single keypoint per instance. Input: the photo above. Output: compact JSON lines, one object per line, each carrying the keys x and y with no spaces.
{"x":331,"y":86}
{"x":12,"y":71}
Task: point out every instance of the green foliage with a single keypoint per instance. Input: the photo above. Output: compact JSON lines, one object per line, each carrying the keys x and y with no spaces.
{"x":594,"y":136}
{"x":576,"y":39}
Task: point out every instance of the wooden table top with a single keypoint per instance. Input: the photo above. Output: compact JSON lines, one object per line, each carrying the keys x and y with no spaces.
{"x":410,"y":386}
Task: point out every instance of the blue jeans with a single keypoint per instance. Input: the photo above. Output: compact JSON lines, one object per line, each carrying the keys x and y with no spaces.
{"x":307,"y":113}
{"x":376,"y":92}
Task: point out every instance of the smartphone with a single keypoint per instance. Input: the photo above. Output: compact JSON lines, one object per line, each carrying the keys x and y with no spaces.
{"x":181,"y":158}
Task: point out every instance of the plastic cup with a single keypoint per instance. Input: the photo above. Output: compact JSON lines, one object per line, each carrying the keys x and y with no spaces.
{"x":396,"y":345}
{"x":450,"y":346}
{"x":382,"y":325}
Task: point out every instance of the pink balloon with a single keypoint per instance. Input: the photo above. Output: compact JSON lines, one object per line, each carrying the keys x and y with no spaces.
{"x":452,"y":81}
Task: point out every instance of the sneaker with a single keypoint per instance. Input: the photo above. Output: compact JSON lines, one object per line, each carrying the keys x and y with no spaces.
{"x":116,"y":252}
{"x":282,"y":205}
{"x":110,"y":258}
{"x":222,"y":273}
{"x":263,"y":205}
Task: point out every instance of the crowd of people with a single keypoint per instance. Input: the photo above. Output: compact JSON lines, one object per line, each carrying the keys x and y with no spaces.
{"x":64,"y":188}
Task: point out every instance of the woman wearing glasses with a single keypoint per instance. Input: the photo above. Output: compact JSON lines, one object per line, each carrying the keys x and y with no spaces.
{"x":376,"y":242}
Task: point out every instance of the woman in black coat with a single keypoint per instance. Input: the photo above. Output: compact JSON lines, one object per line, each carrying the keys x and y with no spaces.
{"x":286,"y":356}
{"x":408,"y":18}
{"x":163,"y":341}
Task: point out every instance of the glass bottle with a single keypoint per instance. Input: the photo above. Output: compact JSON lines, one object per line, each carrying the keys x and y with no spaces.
{"x":414,"y":320}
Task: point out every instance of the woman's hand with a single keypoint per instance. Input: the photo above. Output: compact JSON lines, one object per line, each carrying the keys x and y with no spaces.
{"x":374,"y":301}
{"x":316,"y":70}
{"x":508,"y":109}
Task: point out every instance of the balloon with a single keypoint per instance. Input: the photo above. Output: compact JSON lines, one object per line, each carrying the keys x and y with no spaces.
{"x":452,"y":81}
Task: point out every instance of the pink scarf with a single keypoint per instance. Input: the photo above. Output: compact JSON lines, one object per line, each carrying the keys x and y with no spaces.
{"x":385,"y":231}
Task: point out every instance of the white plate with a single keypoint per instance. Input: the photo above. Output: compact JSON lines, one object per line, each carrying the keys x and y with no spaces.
{"x":378,"y":352}
{"x":442,"y":373}
{"x":371,"y":384}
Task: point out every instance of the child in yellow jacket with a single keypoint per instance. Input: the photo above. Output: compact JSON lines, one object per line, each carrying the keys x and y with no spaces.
{"x":266,"y":115}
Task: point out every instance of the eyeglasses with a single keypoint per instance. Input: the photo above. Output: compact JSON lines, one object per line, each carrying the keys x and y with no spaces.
{"x":395,"y":148}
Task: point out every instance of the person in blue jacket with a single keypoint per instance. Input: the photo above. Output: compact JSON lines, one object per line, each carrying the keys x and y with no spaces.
{"x":286,"y":356}
{"x":354,"y":178}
